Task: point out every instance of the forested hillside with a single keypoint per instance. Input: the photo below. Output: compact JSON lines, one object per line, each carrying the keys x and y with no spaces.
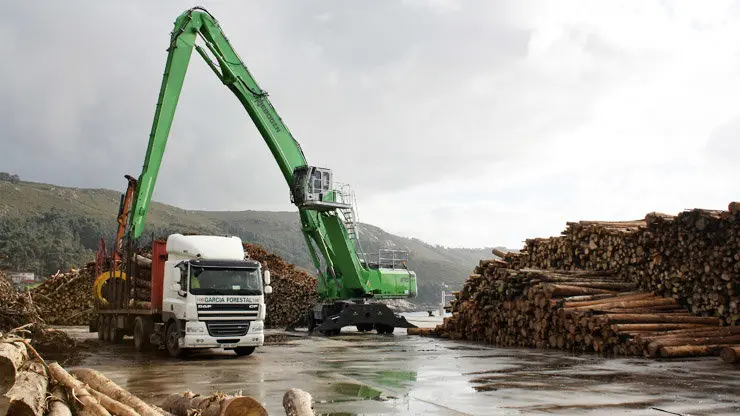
{"x":44,"y":228}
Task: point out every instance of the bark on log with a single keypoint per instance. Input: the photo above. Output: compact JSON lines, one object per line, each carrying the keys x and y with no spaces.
{"x":643,"y":303}
{"x":58,"y":403}
{"x":564,"y":290}
{"x":691,"y":350}
{"x":28,"y":395}
{"x":12,"y":355}
{"x":216,"y":405}
{"x":654,"y":347}
{"x":90,"y":404}
{"x":103,"y":384}
{"x":142,"y":261}
{"x":113,"y":406}
{"x":660,"y":318}
{"x":655,"y":327}
{"x":297,"y":402}
{"x":731,"y":355}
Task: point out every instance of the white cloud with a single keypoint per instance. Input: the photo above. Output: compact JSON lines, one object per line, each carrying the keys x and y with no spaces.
{"x":462,"y":123}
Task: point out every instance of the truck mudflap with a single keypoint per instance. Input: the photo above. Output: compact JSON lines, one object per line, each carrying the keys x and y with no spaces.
{"x":370,"y":315}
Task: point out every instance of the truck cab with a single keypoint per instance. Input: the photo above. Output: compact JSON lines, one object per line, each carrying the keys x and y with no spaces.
{"x":213,"y":297}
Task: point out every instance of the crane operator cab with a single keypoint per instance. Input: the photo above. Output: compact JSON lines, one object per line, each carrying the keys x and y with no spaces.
{"x":312,"y":189}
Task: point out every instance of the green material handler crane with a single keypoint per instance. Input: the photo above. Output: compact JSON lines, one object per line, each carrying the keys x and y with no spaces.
{"x":349,"y":281}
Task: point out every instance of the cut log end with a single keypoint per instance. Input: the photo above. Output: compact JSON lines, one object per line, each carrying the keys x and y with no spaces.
{"x":731,"y":355}
{"x":297,"y":402}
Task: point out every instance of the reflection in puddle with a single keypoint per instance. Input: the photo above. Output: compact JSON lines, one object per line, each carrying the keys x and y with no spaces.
{"x":402,"y":375}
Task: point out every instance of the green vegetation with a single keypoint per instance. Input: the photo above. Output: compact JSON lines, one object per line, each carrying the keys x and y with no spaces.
{"x":44,"y":228}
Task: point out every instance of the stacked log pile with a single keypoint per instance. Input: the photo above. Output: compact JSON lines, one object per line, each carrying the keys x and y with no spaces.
{"x":693,"y":257}
{"x":66,"y":298}
{"x":294,"y":291}
{"x":18,"y":310}
{"x":596,"y":311}
{"x":29,"y":386}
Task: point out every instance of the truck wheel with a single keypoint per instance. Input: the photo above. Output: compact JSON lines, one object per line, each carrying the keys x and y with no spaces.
{"x":311,"y":322}
{"x":116,"y":335}
{"x":101,"y":327}
{"x":171,"y":340}
{"x":104,"y":328}
{"x":141,"y":335}
{"x":242,"y":351}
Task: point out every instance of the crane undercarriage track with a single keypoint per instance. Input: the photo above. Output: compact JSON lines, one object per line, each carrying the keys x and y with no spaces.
{"x":330,"y":318}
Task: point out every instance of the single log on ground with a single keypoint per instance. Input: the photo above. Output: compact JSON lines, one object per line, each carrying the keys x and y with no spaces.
{"x":113,"y":406}
{"x":692,"y":350}
{"x":12,"y":356}
{"x":297,"y":402}
{"x":90,"y":404}
{"x":183,"y":404}
{"x":654,"y":347}
{"x":28,"y":395}
{"x":103,"y":384}
{"x":730,"y":355}
{"x":58,"y":403}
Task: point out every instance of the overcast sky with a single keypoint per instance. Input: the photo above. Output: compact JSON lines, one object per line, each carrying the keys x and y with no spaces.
{"x":463,"y":123}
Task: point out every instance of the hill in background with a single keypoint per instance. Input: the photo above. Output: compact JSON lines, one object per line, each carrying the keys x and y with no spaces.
{"x":44,"y":228}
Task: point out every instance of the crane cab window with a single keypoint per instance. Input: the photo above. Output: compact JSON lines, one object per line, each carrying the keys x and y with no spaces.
{"x":320,"y":181}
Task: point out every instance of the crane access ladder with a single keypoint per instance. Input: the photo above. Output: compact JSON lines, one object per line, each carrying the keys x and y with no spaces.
{"x":388,"y":258}
{"x":349,"y":215}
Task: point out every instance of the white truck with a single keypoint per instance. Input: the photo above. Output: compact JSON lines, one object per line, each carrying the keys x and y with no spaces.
{"x":201,"y":292}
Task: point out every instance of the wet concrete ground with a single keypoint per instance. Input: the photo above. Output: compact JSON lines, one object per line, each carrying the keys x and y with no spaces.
{"x":369,"y":374}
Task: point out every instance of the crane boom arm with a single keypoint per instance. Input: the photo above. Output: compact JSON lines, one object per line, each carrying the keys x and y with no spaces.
{"x":344,"y":276}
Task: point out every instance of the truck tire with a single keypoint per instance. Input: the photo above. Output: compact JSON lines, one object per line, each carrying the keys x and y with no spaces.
{"x":104,"y":328}
{"x":141,"y":335}
{"x":243,"y":351}
{"x":171,"y":338}
{"x":101,"y":327}
{"x":116,"y":334}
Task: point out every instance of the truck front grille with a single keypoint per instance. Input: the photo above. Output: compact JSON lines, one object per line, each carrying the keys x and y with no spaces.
{"x":236,"y":312}
{"x":227,"y":328}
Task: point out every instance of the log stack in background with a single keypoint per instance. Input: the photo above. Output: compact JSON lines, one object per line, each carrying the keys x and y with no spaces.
{"x":578,"y":311}
{"x":66,"y":298}
{"x":18,"y":310}
{"x":294,"y":291}
{"x":665,"y":286}
{"x":693,"y":257}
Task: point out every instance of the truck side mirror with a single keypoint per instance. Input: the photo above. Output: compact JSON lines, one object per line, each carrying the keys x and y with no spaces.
{"x":266,"y":277}
{"x":177,"y":288}
{"x":268,"y":289}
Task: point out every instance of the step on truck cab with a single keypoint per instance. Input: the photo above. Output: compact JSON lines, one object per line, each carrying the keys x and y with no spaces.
{"x":204,"y":294}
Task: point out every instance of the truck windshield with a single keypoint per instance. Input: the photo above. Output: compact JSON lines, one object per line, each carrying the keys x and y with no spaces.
{"x":224,"y":281}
